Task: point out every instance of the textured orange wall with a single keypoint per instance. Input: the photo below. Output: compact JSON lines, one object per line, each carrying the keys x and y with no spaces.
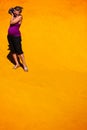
{"x":53,"y":94}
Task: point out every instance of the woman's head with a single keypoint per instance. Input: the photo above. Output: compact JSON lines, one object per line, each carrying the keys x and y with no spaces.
{"x":18,"y":10}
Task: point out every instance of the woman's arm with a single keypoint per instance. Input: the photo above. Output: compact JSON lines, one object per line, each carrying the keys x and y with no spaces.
{"x":15,"y":19}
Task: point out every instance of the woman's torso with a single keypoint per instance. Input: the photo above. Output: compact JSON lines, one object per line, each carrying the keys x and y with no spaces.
{"x":14,"y":30}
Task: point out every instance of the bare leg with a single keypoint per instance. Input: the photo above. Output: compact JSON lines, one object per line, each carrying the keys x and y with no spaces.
{"x":21,"y":56}
{"x":16,"y":61}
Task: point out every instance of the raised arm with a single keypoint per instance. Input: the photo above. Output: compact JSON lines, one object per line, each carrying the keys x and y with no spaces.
{"x":15,"y":19}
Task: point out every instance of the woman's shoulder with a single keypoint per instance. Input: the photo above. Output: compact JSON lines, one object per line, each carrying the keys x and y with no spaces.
{"x":20,"y":16}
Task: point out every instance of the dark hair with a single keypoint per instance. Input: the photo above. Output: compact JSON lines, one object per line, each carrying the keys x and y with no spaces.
{"x":18,"y":8}
{"x":11,"y":10}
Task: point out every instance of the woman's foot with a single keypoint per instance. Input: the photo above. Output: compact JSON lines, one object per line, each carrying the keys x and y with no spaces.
{"x":26,"y":69}
{"x":16,"y":66}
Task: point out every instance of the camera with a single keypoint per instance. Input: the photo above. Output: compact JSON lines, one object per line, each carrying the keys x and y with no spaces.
{"x":11,"y":11}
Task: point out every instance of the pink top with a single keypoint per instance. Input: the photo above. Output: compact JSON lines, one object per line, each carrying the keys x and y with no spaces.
{"x":14,"y":30}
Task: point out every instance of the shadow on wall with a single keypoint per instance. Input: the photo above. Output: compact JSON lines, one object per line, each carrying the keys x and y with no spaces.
{"x":10,"y":58}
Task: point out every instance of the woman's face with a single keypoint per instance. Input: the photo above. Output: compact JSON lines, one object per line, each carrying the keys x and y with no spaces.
{"x":16,"y":12}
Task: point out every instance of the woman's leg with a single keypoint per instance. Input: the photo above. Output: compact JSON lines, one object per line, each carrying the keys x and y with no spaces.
{"x":21,"y":56}
{"x":11,"y":47}
{"x":16,"y":61}
{"x":19,"y":52}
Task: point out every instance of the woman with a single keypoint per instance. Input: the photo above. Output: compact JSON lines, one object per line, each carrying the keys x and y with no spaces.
{"x":14,"y":36}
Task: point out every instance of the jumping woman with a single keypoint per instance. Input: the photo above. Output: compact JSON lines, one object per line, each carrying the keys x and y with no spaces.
{"x":14,"y":37}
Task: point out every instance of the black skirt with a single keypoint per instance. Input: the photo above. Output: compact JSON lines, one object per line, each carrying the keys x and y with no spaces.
{"x":15,"y":45}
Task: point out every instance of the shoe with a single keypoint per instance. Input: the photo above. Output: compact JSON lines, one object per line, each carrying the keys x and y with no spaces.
{"x":26,"y":69}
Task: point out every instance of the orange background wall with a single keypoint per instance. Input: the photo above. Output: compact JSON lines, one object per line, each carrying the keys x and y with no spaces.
{"x":53,"y":94}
